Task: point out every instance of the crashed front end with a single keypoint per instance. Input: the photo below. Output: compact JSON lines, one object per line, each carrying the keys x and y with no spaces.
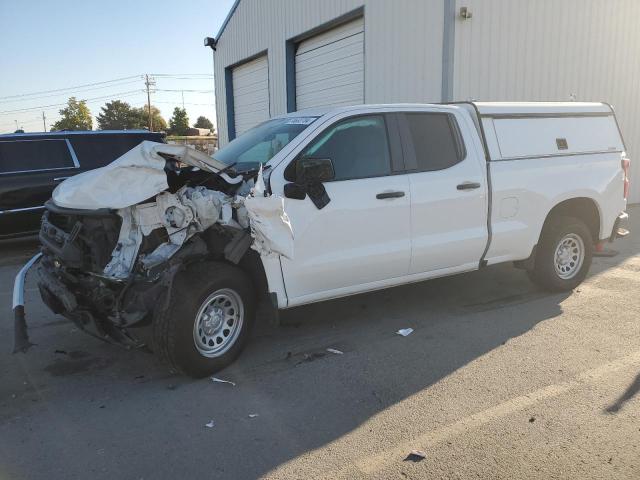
{"x":114,"y":238}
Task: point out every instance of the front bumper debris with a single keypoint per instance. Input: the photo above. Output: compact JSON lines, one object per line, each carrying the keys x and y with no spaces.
{"x":21,"y":337}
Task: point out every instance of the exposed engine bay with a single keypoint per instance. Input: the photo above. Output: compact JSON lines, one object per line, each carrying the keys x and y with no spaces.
{"x":114,"y":238}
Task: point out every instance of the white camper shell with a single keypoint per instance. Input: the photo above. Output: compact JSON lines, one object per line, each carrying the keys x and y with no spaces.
{"x":515,"y":131}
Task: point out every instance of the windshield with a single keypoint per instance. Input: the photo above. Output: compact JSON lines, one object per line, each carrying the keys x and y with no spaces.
{"x":261,"y":143}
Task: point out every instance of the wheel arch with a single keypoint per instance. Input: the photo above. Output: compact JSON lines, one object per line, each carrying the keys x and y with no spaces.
{"x":583,"y":208}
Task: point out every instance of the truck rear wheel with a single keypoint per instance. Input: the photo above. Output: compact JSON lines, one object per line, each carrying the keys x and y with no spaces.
{"x":563,"y":256}
{"x":208,"y":321}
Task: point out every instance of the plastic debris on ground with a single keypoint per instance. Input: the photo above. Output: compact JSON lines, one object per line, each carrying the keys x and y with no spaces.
{"x":405,"y":331}
{"x":416,"y":456}
{"x":310,"y":357}
{"x":210,"y":424}
{"x":219,"y":380}
{"x":333,"y":350}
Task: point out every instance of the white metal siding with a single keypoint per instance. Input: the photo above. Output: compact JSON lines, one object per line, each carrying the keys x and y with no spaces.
{"x":402,"y":46}
{"x":330,"y":67}
{"x":250,"y":93}
{"x":554,"y":50}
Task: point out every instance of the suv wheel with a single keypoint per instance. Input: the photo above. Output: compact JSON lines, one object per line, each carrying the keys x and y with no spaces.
{"x":208,"y":321}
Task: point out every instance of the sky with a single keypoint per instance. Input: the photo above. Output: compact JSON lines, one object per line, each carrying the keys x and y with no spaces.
{"x":54,"y":45}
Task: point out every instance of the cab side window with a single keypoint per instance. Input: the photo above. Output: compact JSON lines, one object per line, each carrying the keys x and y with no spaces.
{"x":358,"y":147}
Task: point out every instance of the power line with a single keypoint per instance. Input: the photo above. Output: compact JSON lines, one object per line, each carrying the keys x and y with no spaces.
{"x":74,"y":93}
{"x":88,"y":100}
{"x":177,"y":76}
{"x":186,"y":103}
{"x":11,"y":124}
{"x":69,"y":88}
{"x":184,"y":75}
{"x":183,"y":90}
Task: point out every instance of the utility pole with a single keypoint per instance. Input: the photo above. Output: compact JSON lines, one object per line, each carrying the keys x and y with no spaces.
{"x":44,"y":122}
{"x":182,"y":91}
{"x":149,"y":82}
{"x":16,"y":124}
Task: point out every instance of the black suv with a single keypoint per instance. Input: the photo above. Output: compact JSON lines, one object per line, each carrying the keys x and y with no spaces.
{"x":32,"y":164}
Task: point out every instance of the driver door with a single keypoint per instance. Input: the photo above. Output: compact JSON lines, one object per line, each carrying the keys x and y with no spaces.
{"x":361,"y":238}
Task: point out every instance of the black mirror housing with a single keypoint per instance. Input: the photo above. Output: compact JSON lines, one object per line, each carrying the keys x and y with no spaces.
{"x":295,"y":191}
{"x":314,"y":170}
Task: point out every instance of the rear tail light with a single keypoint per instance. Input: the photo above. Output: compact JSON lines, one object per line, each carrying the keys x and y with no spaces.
{"x":626,"y":164}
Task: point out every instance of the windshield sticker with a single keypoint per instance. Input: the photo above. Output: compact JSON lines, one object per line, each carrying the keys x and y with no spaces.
{"x":300,"y":121}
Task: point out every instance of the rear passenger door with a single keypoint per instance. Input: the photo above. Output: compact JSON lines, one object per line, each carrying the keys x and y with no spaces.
{"x":29,"y":171}
{"x":448,"y":192}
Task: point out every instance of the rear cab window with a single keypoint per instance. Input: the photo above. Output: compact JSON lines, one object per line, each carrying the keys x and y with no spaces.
{"x":433,"y":139}
{"x":21,"y":156}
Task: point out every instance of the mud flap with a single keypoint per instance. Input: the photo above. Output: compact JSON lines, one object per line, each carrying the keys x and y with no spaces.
{"x":21,"y":336}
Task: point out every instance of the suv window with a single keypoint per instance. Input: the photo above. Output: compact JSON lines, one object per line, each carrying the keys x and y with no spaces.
{"x":436,"y":140}
{"x":98,"y":150}
{"x":358,"y":147}
{"x":29,"y":155}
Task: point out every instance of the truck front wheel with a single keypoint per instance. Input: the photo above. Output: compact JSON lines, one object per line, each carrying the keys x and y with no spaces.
{"x":208,"y":320}
{"x":563,"y":256}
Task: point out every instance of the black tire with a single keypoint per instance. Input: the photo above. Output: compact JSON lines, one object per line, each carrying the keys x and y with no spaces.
{"x":173,"y":329}
{"x":544,"y":273}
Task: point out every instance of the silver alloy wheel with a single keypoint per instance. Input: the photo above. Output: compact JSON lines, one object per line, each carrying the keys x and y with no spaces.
{"x":218,"y":323}
{"x":569,"y":256}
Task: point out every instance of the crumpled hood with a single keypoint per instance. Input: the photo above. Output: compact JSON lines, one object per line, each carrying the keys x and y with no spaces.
{"x":132,"y":178}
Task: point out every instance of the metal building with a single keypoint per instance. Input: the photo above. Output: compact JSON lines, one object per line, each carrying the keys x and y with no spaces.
{"x":275,"y":56}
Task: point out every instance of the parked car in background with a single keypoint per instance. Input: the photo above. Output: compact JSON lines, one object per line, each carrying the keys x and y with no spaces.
{"x":32,"y":164}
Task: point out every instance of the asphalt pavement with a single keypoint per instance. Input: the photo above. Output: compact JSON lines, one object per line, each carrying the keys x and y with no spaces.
{"x":498,"y":380}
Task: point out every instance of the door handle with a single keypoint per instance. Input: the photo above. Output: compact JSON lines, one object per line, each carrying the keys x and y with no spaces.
{"x":468,"y":186}
{"x":384,"y":195}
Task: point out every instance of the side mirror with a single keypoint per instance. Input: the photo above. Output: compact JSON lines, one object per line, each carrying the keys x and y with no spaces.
{"x":314,"y":170}
{"x":295,"y":191}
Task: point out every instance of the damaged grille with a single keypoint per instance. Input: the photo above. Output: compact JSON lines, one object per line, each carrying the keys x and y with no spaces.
{"x":80,"y":240}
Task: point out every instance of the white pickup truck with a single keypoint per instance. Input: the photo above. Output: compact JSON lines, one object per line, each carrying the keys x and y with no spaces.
{"x":317,"y":205}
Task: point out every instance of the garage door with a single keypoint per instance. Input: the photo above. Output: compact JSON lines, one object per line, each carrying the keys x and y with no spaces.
{"x":250,"y":94}
{"x":330,"y":67}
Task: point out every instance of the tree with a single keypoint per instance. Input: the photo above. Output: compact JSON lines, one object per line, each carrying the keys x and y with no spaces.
{"x":118,"y":115}
{"x":179,"y":122}
{"x":75,"y":116}
{"x":203,"y":122}
{"x":142,"y":116}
